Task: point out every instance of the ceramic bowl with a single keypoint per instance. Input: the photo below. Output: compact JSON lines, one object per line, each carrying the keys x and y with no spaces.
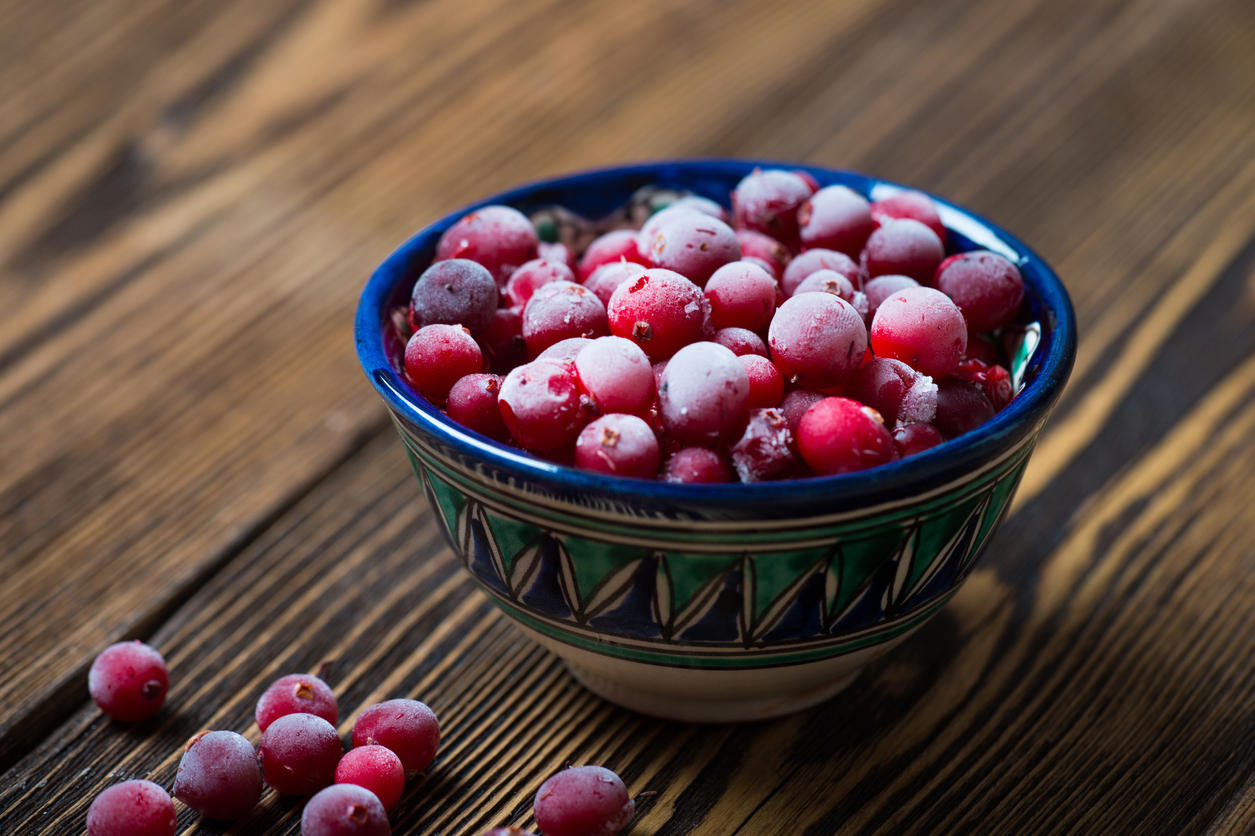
{"x":717,"y":603}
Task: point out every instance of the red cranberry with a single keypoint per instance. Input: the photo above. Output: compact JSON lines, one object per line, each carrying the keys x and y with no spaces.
{"x":498,"y":237}
{"x":836,"y":218}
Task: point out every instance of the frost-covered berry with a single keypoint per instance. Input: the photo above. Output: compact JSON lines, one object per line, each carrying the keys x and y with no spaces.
{"x":755,"y":244}
{"x":560,"y":311}
{"x":819,"y":259}
{"x":298,"y":754}
{"x":583,"y":801}
{"x":296,"y":693}
{"x":921,"y":327}
{"x":454,"y":292}
{"x":533,"y":275}
{"x":218,"y":776}
{"x":904,"y":248}
{"x":612,"y":248}
{"x":835,"y":218}
{"x":704,"y":394}
{"x":345,"y":810}
{"x":696,"y":465}
{"x":909,"y":204}
{"x":895,"y":390}
{"x":617,"y":375}
{"x":987,"y":288}
{"x":817,"y":339}
{"x":498,"y":237}
{"x":132,"y":808}
{"x":605,"y":280}
{"x":741,"y":295}
{"x":741,"y":342}
{"x":407,"y":727}
{"x":542,"y":405}
{"x":438,"y":356}
{"x":473,"y":404}
{"x":694,"y":245}
{"x":766,"y":382}
{"x":377,"y":768}
{"x":765,"y":448}
{"x":659,"y":310}
{"x":128,"y":681}
{"x":882,"y":287}
{"x":620,"y":445}
{"x":767,"y":201}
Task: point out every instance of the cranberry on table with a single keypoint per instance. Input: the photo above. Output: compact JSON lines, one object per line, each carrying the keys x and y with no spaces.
{"x":911,"y":439}
{"x":128,"y":681}
{"x":921,"y":327}
{"x":560,"y":311}
{"x":620,"y":445}
{"x":542,"y":405}
{"x":218,"y":776}
{"x":882,"y":287}
{"x":533,"y":275}
{"x":817,"y":339}
{"x":659,"y":310}
{"x":693,"y":245}
{"x":345,"y":810}
{"x":741,"y":295}
{"x":905,"y":248}
{"x":836,"y":218}
{"x":296,"y":693}
{"x":704,"y":394}
{"x":767,"y":201}
{"x":605,"y":280}
{"x":454,"y":292}
{"x":765,"y":448}
{"x":617,"y":375}
{"x":132,"y":808}
{"x":611,"y":248}
{"x":438,"y":356}
{"x":498,"y":237}
{"x":839,"y":435}
{"x":909,"y":204}
{"x":987,"y":288}
{"x":766,"y":382}
{"x":407,"y":727}
{"x":298,"y":754}
{"x":583,"y":801}
{"x":696,"y":465}
{"x":473,"y":404}
{"x":741,"y":341}
{"x":375,"y":767}
{"x":819,"y":259}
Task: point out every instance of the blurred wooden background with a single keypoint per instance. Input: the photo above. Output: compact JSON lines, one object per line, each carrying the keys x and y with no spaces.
{"x":192,"y":194}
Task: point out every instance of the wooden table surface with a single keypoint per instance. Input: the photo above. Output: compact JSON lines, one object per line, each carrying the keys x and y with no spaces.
{"x":193,"y":193}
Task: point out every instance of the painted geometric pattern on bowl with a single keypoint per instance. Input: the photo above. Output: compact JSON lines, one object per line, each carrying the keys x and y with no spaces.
{"x":786,"y":603}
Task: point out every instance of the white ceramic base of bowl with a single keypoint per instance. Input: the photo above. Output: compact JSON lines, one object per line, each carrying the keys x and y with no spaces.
{"x":713,"y":695}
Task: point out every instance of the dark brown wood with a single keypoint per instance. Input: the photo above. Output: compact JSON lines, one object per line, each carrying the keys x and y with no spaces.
{"x":191,"y":196}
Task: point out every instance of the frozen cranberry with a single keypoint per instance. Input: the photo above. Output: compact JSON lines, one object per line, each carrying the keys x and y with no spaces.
{"x":605,"y":280}
{"x":582,"y":801}
{"x":533,"y":275}
{"x":218,"y":776}
{"x":560,"y":311}
{"x":741,"y":295}
{"x":498,"y":237}
{"x":992,"y":378}
{"x":696,"y":465}
{"x":694,"y":245}
{"x":766,"y":382}
{"x":741,"y":342}
{"x":611,"y":248}
{"x":697,"y":203}
{"x":542,"y":405}
{"x":473,"y":404}
{"x":905,"y":248}
{"x":437,"y":356}
{"x":645,"y":237}
{"x":298,"y":754}
{"x":817,"y":339}
{"x":921,"y":327}
{"x":345,"y":810}
{"x":557,"y":252}
{"x":755,"y":244}
{"x":704,"y":394}
{"x":827,"y":281}
{"x":765,"y":448}
{"x":909,"y":204}
{"x":961,"y":406}
{"x":502,"y":341}
{"x":915,"y":438}
{"x":836,"y":218}
{"x":132,"y":808}
{"x":376,"y":768}
{"x":882,"y":287}
{"x":795,"y":404}
{"x":659,"y":310}
{"x":407,"y":727}
{"x":565,"y":351}
{"x":813,"y":260}
{"x":128,"y":681}
{"x":617,"y":375}
{"x":621,"y":445}
{"x":454,"y":292}
{"x":296,"y":693}
{"x":838,"y":435}
{"x":987,"y":288}
{"x":767,"y":201}
{"x":894,"y":389}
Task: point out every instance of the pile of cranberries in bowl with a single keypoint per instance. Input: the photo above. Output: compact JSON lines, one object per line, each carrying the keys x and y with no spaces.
{"x":807,"y":332}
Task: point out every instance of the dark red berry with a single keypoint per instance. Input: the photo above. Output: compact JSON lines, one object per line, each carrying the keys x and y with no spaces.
{"x":437,"y":356}
{"x":128,"y":681}
{"x":218,"y":776}
{"x":132,"y":808}
{"x":836,"y":218}
{"x":987,"y":288}
{"x":992,"y":378}
{"x":611,"y":248}
{"x":583,"y":801}
{"x":542,"y":405}
{"x":838,"y":435}
{"x":961,"y":406}
{"x":815,"y":260}
{"x":375,"y":767}
{"x":766,"y":382}
{"x":454,"y":292}
{"x":498,"y":237}
{"x":696,"y":465}
{"x":911,"y":439}
{"x":659,"y":310}
{"x":765,"y":448}
{"x":407,"y":727}
{"x":560,"y":311}
{"x":345,"y":810}
{"x":895,"y":390}
{"x":909,"y":204}
{"x":533,"y":275}
{"x":767,"y":202}
{"x":620,"y":445}
{"x":297,"y":693}
{"x":298,"y":754}
{"x":921,"y":327}
{"x":473,"y":404}
{"x":502,"y":341}
{"x":905,"y":248}
{"x":704,"y":394}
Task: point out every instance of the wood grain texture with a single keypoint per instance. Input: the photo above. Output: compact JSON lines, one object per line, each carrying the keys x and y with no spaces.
{"x":191,"y":195}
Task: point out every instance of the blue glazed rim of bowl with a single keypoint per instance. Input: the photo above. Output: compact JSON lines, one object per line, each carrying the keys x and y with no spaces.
{"x":597,"y":193}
